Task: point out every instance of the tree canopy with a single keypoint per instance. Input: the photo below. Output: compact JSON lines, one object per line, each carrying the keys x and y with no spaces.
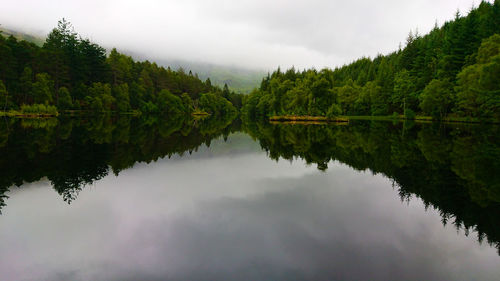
{"x":73,"y":73}
{"x":452,"y":71}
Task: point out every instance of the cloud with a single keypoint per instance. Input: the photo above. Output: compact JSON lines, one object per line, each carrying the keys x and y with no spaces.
{"x":251,"y":33}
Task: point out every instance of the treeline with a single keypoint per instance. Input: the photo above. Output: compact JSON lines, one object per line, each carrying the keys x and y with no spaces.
{"x":454,"y":71}
{"x":72,"y":73}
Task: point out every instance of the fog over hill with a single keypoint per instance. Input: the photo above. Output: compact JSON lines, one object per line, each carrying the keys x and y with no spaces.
{"x":253,"y":34}
{"x":239,"y":79}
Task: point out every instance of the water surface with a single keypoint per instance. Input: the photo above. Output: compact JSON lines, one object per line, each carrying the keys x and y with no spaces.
{"x":127,"y":199}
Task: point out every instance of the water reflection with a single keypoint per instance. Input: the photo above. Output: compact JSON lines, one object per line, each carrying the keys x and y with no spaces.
{"x":203,"y":201}
{"x":73,"y":153}
{"x":450,"y":167}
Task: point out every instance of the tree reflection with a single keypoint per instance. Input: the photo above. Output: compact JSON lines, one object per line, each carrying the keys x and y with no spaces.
{"x":454,"y":169}
{"x":74,"y":153}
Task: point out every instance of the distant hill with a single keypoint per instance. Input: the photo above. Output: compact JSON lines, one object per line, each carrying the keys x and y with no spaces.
{"x":22,"y":36}
{"x":238,"y":79}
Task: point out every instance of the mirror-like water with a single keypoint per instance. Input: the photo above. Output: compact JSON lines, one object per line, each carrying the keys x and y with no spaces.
{"x":149,"y":199}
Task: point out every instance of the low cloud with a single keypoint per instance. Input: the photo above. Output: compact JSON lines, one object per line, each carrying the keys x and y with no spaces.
{"x":248,"y":33}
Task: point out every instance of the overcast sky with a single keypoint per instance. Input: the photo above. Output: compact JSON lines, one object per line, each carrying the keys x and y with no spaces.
{"x":259,"y":34}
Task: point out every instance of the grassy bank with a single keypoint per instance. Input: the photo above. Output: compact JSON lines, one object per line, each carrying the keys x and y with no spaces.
{"x":13,"y":113}
{"x":90,"y":113}
{"x":34,"y":114}
{"x":305,"y":118}
{"x":322,"y":119}
{"x":424,"y":119}
{"x":78,"y":113}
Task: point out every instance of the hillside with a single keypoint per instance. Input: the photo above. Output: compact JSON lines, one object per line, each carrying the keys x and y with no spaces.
{"x":451,"y":72}
{"x":22,"y":36}
{"x":72,"y":74}
{"x":238,"y":79}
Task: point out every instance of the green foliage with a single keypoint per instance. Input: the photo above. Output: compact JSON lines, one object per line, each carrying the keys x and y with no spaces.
{"x":26,"y":84}
{"x":96,"y":104}
{"x":436,"y":98}
{"x":404,"y":91}
{"x":71,"y":60}
{"x":478,"y":85}
{"x":216,"y":105}
{"x":409,"y":114}
{"x":489,"y":48}
{"x":64,"y":99}
{"x":376,"y":104}
{"x":34,"y":74}
{"x":121,"y":67}
{"x":187,"y":103}
{"x":5,"y":99}
{"x":122,"y":97}
{"x":149,"y":107}
{"x":100,"y":97}
{"x":346,"y":96}
{"x":169,"y":103}
{"x":42,"y":89}
{"x":41,"y":109}
{"x":333,"y":111}
{"x":452,"y":70}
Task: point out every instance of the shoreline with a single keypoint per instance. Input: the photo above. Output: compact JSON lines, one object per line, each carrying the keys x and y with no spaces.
{"x":293,"y":119}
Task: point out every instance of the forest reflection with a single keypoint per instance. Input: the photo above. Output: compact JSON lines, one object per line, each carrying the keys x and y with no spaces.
{"x":452,"y":168}
{"x":73,"y":153}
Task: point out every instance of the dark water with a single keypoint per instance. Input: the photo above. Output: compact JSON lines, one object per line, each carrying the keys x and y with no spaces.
{"x":150,"y":199}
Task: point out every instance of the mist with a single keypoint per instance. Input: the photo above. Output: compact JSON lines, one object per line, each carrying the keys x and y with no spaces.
{"x":252,"y":34}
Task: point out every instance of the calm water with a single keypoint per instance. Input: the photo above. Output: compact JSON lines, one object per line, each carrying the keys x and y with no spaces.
{"x":148,"y":199}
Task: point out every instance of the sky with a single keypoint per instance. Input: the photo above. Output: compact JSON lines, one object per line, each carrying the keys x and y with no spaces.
{"x":255,"y":34}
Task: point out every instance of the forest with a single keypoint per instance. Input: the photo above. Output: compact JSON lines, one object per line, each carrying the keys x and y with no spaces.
{"x":453,"y":72}
{"x":70,"y":73}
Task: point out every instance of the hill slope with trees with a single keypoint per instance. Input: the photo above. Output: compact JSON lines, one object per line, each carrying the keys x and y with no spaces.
{"x":452,"y":72}
{"x":72,"y":73}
